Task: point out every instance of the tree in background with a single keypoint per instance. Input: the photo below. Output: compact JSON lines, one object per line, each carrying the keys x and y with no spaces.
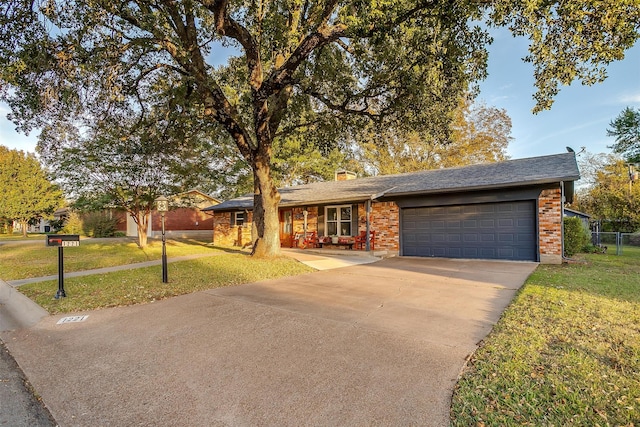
{"x":610,"y":196}
{"x":626,"y":130}
{"x":406,"y":62}
{"x":126,"y":161}
{"x":477,"y":134}
{"x":27,"y":193}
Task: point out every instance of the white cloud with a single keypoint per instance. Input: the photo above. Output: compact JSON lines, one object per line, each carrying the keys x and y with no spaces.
{"x":630,"y":98}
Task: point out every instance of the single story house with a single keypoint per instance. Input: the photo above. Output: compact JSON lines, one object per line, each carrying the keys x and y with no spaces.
{"x":509,"y":210}
{"x":185,"y":218}
{"x":583,"y":217}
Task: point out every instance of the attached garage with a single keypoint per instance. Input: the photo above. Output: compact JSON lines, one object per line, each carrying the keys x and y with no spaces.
{"x":501,"y":230}
{"x":510,"y":210}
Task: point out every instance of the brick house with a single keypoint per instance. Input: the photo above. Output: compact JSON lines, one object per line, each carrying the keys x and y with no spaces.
{"x":507,"y":210}
{"x":184,"y":219}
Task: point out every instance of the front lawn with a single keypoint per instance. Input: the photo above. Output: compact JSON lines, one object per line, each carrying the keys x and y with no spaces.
{"x":26,"y":260}
{"x":143,"y":285}
{"x":566,"y":351}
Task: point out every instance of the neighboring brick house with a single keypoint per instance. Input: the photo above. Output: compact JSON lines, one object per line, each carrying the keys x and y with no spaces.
{"x":507,"y":210}
{"x":184,"y":219}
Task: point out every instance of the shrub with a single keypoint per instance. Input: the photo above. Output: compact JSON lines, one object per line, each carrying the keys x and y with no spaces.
{"x":99,"y":225}
{"x":576,"y":236}
{"x":73,"y":224}
{"x":57,"y":224}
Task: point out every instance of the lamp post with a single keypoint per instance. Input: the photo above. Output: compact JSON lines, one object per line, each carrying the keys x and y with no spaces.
{"x":162,"y":205}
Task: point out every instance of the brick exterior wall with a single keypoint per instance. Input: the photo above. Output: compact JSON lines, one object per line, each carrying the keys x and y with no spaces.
{"x":226,"y":235}
{"x":121,"y":217}
{"x":298,"y":219}
{"x":385,"y":221}
{"x":550,"y":226}
{"x":182,"y":219}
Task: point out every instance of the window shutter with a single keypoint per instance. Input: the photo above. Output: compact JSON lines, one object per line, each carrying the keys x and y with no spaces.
{"x":321,"y":220}
{"x":233,"y":219}
{"x":354,"y":220}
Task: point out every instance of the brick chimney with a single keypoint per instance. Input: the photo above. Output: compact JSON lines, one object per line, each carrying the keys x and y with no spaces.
{"x":343,"y":175}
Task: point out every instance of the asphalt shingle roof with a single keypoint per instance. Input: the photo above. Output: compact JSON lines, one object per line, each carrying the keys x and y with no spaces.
{"x":510,"y":173}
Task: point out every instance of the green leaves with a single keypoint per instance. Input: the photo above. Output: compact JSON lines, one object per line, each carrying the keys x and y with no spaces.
{"x":626,"y":130}
{"x":611,"y":196}
{"x":27,"y":193}
{"x":570,"y":40}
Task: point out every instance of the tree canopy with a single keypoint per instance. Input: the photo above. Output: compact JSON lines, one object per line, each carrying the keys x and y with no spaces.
{"x":322,"y":66}
{"x":610,"y":197}
{"x":626,"y":130}
{"x":477,"y":134}
{"x":27,"y":193}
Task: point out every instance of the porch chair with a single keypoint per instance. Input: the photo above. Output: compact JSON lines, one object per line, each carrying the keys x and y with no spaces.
{"x":361,"y":240}
{"x":307,"y":240}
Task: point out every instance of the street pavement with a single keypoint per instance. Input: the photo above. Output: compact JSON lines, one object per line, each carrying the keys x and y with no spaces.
{"x":371,"y":344}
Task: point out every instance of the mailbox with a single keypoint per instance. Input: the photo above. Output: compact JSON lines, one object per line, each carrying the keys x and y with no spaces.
{"x":63,"y":240}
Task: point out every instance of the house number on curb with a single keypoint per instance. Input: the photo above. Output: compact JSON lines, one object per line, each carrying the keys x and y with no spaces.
{"x":72,"y":319}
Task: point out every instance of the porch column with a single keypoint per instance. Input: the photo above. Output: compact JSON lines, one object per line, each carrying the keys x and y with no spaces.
{"x":368,"y":225}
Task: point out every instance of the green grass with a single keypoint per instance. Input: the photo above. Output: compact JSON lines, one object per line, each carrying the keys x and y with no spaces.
{"x":18,"y":236}
{"x":26,"y":260}
{"x":145,"y":285}
{"x":566,"y":351}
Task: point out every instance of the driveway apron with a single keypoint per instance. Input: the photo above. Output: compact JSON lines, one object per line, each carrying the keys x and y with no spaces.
{"x":374,"y":344}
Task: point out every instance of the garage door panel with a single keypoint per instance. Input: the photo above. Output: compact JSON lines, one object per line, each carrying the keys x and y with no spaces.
{"x":502,"y":230}
{"x":454,"y":224}
{"x":454,"y":238}
{"x":438,"y":237}
{"x":487,"y":223}
{"x":506,"y":237}
{"x":487,"y":253}
{"x":471,"y":237}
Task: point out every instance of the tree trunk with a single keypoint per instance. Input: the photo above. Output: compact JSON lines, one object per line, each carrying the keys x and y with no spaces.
{"x":24,"y":225}
{"x":141,"y":220}
{"x":265,"y":210}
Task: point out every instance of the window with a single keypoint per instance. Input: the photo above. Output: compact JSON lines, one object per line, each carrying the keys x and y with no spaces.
{"x":239,"y":219}
{"x":338,"y":220}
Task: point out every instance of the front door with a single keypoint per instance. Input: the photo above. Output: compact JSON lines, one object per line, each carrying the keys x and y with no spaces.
{"x":286,"y":228}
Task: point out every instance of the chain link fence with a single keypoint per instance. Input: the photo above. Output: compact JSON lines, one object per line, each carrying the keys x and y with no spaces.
{"x":607,"y":241}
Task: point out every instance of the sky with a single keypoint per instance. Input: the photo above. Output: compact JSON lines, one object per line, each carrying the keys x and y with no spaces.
{"x":578,"y":118}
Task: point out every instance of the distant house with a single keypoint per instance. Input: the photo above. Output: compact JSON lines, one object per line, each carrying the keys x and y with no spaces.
{"x":509,"y":210}
{"x":185,"y":217}
{"x":581,"y":215}
{"x":43,"y":225}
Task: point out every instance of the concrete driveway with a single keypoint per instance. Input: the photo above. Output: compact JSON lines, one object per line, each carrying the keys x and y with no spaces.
{"x":375,"y":344}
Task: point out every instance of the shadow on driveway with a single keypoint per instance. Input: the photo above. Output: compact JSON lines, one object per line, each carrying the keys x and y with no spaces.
{"x":374,"y":344}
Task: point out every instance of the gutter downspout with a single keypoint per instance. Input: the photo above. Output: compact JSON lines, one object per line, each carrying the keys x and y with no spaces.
{"x":562,"y":221}
{"x":367,"y":205}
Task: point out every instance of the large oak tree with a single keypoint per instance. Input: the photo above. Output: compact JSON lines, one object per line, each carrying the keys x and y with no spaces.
{"x":407,"y":61}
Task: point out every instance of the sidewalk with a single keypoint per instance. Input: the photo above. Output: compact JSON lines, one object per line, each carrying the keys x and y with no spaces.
{"x":20,"y":282}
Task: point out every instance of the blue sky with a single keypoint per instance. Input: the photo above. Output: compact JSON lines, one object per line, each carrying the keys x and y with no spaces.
{"x":579,"y":116}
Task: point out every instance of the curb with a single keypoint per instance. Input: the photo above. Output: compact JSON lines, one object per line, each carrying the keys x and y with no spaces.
{"x":16,"y":310}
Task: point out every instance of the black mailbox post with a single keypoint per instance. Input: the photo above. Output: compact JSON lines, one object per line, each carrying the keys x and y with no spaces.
{"x":61,"y":241}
